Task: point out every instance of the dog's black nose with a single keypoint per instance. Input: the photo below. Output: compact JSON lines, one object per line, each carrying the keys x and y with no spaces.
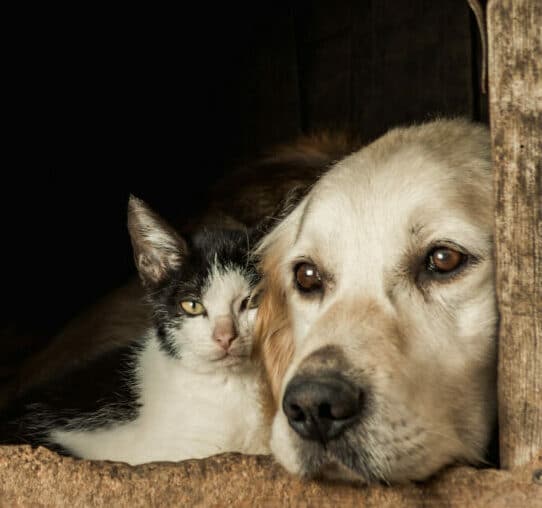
{"x":320,"y":408}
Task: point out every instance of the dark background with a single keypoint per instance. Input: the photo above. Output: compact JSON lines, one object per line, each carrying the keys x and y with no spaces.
{"x":161,"y":103}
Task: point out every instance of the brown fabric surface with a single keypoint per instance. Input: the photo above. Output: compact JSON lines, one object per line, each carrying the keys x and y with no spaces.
{"x":42,"y":478}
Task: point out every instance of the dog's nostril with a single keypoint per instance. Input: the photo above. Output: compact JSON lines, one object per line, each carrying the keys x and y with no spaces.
{"x":362,"y":398}
{"x":322,"y":408}
{"x":296,"y":413}
{"x":324,"y":411}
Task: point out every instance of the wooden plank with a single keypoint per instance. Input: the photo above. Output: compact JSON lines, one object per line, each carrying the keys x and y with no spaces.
{"x":479,"y":60}
{"x":39,"y":477}
{"x":515,"y":86}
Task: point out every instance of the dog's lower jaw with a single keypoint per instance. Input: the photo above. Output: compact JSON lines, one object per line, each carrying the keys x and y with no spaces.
{"x":338,"y":472}
{"x":291,"y":457}
{"x":341,"y":462}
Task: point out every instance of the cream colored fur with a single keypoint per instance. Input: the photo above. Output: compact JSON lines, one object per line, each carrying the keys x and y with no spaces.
{"x":426,"y":351}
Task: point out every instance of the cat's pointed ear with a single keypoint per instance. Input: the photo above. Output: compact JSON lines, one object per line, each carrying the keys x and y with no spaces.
{"x":158,"y":249}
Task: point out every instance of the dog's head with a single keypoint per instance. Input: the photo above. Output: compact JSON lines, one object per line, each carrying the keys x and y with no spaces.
{"x":378,"y":320}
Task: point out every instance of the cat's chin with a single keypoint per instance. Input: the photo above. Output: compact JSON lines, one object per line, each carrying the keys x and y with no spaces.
{"x":229,"y":362}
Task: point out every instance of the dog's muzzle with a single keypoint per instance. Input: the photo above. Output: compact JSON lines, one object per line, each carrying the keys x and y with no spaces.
{"x":321,"y":408}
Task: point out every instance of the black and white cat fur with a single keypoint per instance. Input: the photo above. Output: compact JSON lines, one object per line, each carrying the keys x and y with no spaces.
{"x":188,"y":388}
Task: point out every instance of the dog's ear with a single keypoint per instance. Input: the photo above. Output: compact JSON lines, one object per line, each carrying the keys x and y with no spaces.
{"x":287,"y":204}
{"x":272,"y":332}
{"x":273,"y":329}
{"x":158,"y":249}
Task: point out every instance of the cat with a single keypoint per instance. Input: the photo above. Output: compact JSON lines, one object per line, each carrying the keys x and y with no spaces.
{"x":189,"y":387}
{"x":256,"y":194}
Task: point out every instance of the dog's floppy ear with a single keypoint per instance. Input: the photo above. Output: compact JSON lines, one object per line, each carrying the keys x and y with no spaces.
{"x":273,"y":329}
{"x":274,"y":341}
{"x":158,"y":249}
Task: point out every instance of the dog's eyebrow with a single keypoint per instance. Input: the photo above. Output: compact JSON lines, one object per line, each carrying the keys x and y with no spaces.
{"x":416,"y":229}
{"x":302,"y":220}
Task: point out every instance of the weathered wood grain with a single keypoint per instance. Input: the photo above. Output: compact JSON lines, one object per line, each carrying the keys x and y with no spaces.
{"x":515,"y":86}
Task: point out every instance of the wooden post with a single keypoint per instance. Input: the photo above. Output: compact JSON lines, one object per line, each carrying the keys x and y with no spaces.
{"x":515,"y":92}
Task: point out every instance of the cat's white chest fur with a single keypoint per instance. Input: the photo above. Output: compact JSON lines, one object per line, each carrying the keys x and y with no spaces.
{"x":183,"y":415}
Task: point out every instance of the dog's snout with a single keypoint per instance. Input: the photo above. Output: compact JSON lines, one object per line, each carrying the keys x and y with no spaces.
{"x":321,"y":408}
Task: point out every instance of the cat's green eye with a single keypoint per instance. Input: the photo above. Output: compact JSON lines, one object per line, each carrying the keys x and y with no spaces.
{"x":192,"y":307}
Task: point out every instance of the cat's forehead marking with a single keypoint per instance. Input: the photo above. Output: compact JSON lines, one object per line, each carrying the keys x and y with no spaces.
{"x":224,"y":285}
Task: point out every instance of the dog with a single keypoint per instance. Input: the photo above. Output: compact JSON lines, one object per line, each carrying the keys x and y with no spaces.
{"x":377,"y":321}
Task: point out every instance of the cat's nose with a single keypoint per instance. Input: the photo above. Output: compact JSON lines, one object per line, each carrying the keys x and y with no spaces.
{"x":224,"y":333}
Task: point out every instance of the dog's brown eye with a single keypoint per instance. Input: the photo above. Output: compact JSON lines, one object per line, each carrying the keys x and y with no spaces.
{"x":307,"y":277}
{"x":445,"y":260}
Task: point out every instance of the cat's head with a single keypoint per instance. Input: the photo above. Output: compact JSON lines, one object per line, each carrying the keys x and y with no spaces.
{"x":199,"y":289}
